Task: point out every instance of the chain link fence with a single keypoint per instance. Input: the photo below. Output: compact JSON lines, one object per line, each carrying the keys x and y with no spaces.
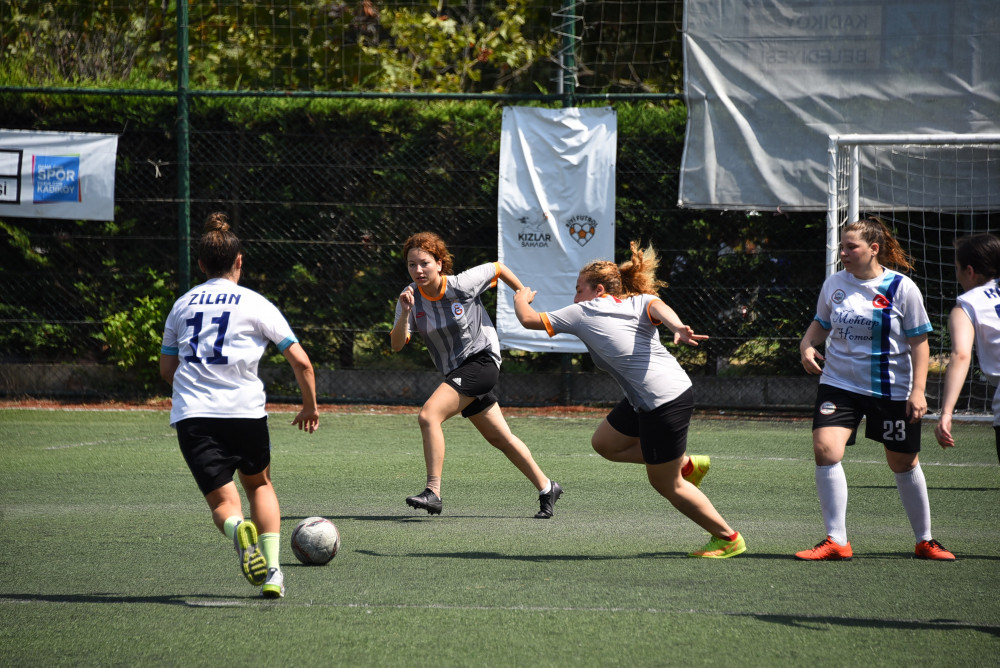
{"x":323,"y":199}
{"x":323,"y":191}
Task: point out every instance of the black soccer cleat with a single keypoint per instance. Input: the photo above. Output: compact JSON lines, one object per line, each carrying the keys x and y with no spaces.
{"x":426,"y":500}
{"x":547,"y":502}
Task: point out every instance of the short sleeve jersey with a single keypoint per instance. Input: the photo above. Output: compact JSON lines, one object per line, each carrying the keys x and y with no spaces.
{"x":982,"y":305}
{"x":870,"y":324}
{"x":219,"y":331}
{"x":454,"y":323}
{"x":623,"y":339}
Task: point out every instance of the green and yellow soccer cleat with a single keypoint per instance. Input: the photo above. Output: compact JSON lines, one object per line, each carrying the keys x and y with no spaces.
{"x":720,"y":548}
{"x":252,"y":561}
{"x":700,"y":465}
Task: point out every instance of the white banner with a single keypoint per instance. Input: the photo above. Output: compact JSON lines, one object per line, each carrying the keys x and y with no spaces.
{"x":556,"y":210}
{"x":767,"y":81}
{"x":57,"y":175}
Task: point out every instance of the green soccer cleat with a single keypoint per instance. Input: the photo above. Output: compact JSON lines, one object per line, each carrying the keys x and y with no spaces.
{"x":252,"y":561}
{"x":700,"y":465}
{"x":720,"y":548}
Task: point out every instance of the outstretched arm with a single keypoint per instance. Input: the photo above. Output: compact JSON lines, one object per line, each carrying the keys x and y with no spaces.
{"x":527,"y":316}
{"x":308,"y":417}
{"x":682,"y":333}
{"x":508,"y":277}
{"x":963,"y":336}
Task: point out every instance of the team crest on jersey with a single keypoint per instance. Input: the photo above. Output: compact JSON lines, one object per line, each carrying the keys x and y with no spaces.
{"x":457,"y":310}
{"x":838,"y":296}
{"x":881,"y":302}
{"x":827,"y":408}
{"x":581,"y":229}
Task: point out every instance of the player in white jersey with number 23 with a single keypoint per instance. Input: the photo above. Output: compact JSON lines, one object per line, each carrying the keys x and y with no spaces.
{"x":875,"y":326}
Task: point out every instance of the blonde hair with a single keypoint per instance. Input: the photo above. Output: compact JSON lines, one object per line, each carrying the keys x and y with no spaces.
{"x":636,"y":276}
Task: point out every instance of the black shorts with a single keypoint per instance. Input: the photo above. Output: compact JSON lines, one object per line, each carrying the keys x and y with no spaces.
{"x":886,"y":419}
{"x":215,"y":448}
{"x":476,"y":377}
{"x":662,"y":432}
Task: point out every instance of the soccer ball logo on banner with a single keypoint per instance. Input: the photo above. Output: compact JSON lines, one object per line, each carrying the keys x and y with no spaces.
{"x":581,"y":229}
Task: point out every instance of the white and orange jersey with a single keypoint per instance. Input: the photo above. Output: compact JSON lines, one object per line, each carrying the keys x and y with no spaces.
{"x":454,"y":323}
{"x":870,"y":324}
{"x":623,"y":338}
{"x":219,"y":332}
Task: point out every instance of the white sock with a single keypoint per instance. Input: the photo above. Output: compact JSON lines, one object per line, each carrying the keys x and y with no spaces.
{"x":912,"y":488}
{"x":831,"y":485}
{"x":546,"y":489}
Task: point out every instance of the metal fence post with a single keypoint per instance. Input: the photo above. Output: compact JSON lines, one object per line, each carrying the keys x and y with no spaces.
{"x":183,"y":155}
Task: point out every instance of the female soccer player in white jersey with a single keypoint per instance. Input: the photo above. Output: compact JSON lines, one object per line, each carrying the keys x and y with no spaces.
{"x":976,"y":318}
{"x":213,"y":339}
{"x":447,"y":311}
{"x":616,"y":313}
{"x":875,"y":326}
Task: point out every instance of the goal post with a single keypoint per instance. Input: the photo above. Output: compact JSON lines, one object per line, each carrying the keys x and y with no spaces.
{"x":929,"y":189}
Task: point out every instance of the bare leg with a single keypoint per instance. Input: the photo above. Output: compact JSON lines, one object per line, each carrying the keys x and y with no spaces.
{"x":615,"y":446}
{"x":444,"y":403}
{"x":264,"y":509}
{"x":492,"y":425}
{"x":685,"y":497}
{"x":224,"y":502}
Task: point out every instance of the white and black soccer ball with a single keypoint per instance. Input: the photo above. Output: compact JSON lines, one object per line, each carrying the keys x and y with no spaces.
{"x":315,"y":541}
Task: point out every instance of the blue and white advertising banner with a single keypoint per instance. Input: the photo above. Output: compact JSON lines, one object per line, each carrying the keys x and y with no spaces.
{"x":556,"y":210}
{"x":57,"y":175}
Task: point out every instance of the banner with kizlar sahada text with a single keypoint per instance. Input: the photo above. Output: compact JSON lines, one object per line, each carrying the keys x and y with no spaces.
{"x":556,"y":210}
{"x":57,"y":175}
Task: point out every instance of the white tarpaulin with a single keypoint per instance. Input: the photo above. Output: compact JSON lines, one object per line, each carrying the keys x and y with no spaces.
{"x":556,"y":210}
{"x":57,"y":175}
{"x":767,"y":81}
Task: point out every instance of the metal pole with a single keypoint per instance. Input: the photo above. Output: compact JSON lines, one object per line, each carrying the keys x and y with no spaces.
{"x":568,"y":87}
{"x":183,"y":155}
{"x":854,"y":194}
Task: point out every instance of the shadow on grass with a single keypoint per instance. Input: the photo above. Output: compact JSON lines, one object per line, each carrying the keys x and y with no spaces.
{"x":375,"y":518}
{"x":813,"y":623}
{"x":173,"y":599}
{"x":931,"y":487}
{"x":420,"y":517}
{"x":537,"y":558}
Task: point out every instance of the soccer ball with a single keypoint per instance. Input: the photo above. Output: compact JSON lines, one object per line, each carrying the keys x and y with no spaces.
{"x":315,"y":541}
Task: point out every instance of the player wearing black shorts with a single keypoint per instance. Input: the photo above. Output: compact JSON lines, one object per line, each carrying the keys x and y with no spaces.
{"x":875,"y":326}
{"x":447,"y":311}
{"x":213,"y":338}
{"x":616,"y":314}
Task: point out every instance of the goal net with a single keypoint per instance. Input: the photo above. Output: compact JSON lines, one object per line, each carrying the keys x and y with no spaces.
{"x":929,"y":190}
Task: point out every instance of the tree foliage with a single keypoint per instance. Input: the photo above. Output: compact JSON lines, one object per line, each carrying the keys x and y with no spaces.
{"x":500,"y":45}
